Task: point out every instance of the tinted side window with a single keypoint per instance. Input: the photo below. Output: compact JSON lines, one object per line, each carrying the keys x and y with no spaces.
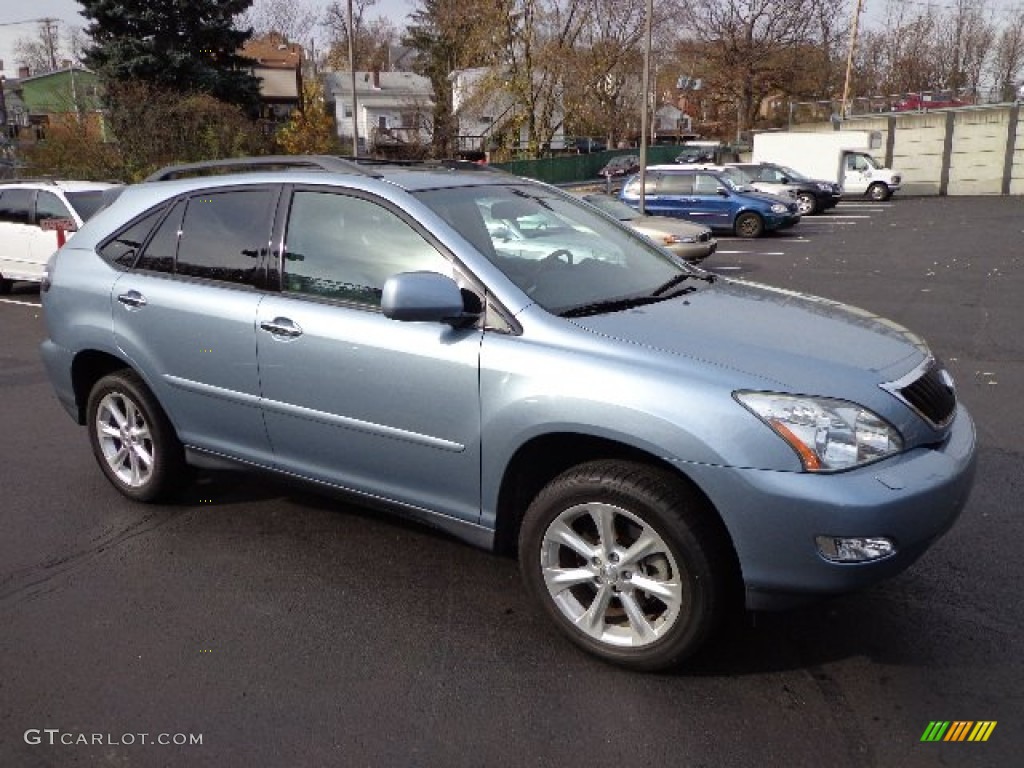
{"x":224,"y":233}
{"x":123,"y":247}
{"x":345,"y":248}
{"x":49,"y":206}
{"x":163,"y":246}
{"x":675,"y":184}
{"x":16,"y":205}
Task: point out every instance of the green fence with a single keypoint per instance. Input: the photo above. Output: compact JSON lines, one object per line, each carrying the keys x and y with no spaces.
{"x":570,"y":168}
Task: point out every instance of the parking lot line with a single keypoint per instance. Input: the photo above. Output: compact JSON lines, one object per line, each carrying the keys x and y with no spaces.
{"x":21,"y":303}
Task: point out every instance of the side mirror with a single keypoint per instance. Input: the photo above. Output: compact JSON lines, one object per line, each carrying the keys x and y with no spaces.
{"x":722,"y":191}
{"x":425,"y":297}
{"x":784,"y":179}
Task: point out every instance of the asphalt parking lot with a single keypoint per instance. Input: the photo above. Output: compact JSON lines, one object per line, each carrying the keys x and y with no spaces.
{"x":284,"y":628}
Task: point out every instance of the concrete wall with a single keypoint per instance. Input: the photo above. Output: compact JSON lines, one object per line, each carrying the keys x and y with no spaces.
{"x":918,"y":150}
{"x":966,"y":151}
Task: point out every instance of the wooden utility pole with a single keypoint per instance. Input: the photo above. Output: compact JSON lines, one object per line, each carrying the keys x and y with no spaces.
{"x":844,"y":109}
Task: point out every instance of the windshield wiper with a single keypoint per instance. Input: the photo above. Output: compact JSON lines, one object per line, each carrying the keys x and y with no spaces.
{"x":664,"y":288}
{"x":611,"y":305}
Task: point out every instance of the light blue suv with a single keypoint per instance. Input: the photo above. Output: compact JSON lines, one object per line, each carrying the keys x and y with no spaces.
{"x":655,"y":443}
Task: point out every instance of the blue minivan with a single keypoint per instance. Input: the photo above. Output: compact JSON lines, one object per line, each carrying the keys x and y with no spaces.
{"x":710,"y":199}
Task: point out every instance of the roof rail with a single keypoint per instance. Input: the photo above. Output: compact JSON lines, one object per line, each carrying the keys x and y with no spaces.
{"x":266,"y":162}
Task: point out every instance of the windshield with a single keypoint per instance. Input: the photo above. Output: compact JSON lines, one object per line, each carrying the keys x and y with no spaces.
{"x":792,"y":173}
{"x":559,"y":251}
{"x":737,"y":178}
{"x":614,"y":207}
{"x":86,"y":203}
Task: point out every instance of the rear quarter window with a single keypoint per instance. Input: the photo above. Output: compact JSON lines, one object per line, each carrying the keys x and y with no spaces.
{"x":224,"y":234}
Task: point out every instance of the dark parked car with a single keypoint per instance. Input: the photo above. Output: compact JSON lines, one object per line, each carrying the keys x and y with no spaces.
{"x":623,"y":165}
{"x":586,"y":145}
{"x":812,"y":195}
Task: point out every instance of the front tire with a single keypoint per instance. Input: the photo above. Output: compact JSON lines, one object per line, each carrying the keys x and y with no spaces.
{"x":132,"y":439}
{"x":628,"y":562}
{"x":749,"y":225}
{"x":879,"y":192}
{"x":807,"y":204}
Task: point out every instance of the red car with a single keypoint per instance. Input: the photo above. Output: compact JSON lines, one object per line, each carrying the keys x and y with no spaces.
{"x":917,"y":102}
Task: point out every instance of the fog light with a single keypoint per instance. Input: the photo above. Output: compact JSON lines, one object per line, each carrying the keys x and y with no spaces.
{"x":842,"y":549}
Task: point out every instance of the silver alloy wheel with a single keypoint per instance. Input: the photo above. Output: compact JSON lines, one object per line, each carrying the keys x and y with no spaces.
{"x":806,"y":204}
{"x":611,"y":575}
{"x":125,"y":439}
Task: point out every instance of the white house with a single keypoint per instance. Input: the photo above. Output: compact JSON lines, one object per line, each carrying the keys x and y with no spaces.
{"x":394,"y":108}
{"x":484,"y":111}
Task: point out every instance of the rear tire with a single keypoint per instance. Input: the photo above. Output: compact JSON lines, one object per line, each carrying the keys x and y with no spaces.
{"x":628,"y":561}
{"x":132,"y":439}
{"x":5,"y":285}
{"x":879,"y":192}
{"x":749,"y":225}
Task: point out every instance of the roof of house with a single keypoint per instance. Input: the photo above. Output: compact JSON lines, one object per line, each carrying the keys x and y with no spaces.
{"x":390,"y":85}
{"x":273,"y":51}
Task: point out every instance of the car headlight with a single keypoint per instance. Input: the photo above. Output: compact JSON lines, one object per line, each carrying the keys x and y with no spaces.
{"x":826,"y":434}
{"x":779,"y":208}
{"x":826,"y":187}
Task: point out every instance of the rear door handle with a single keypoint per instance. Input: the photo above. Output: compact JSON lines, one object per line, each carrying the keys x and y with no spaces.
{"x":132,"y":299}
{"x":282,"y":326}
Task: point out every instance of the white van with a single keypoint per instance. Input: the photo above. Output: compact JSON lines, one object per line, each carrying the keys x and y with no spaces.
{"x":33,"y":214}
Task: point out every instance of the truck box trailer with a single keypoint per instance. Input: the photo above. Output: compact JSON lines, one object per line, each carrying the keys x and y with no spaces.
{"x":840,"y":156}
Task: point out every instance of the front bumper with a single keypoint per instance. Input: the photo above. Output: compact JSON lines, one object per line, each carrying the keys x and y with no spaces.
{"x":774,"y":517}
{"x":780,"y":221}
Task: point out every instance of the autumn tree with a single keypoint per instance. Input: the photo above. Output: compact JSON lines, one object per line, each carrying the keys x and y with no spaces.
{"x":309,"y":131}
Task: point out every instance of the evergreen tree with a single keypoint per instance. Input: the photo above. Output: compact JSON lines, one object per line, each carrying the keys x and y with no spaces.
{"x":180,"y":45}
{"x":447,"y":38}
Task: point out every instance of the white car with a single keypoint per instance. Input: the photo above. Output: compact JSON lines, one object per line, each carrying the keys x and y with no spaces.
{"x":33,"y":214}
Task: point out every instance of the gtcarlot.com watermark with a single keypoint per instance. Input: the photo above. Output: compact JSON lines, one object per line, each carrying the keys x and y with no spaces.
{"x":56,"y":737}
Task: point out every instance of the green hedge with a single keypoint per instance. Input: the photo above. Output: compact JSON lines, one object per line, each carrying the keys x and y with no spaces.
{"x":570,"y":168}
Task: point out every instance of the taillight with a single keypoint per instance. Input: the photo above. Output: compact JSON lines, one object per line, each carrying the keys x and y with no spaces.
{"x":47,"y":280}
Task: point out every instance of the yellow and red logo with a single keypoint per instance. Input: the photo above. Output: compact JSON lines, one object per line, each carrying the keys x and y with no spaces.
{"x":958,"y":730}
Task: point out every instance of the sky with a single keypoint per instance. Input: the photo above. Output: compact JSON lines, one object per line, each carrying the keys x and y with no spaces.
{"x":17,"y":20}
{"x":16,"y":17}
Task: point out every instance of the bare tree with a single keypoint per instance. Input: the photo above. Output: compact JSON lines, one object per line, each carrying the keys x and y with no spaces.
{"x":1007,"y":67}
{"x":749,"y":46}
{"x":294,"y":20}
{"x":965,"y":37}
{"x":43,"y":52}
{"x":372,"y":38}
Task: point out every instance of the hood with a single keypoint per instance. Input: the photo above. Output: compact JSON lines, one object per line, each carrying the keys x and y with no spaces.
{"x":787,"y":340}
{"x":657,"y":224}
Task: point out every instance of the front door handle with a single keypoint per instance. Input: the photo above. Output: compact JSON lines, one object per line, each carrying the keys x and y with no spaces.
{"x":282,"y":326}
{"x":132,"y":299}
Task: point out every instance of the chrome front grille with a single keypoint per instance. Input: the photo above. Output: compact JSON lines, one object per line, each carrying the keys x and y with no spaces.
{"x":931,"y":393}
